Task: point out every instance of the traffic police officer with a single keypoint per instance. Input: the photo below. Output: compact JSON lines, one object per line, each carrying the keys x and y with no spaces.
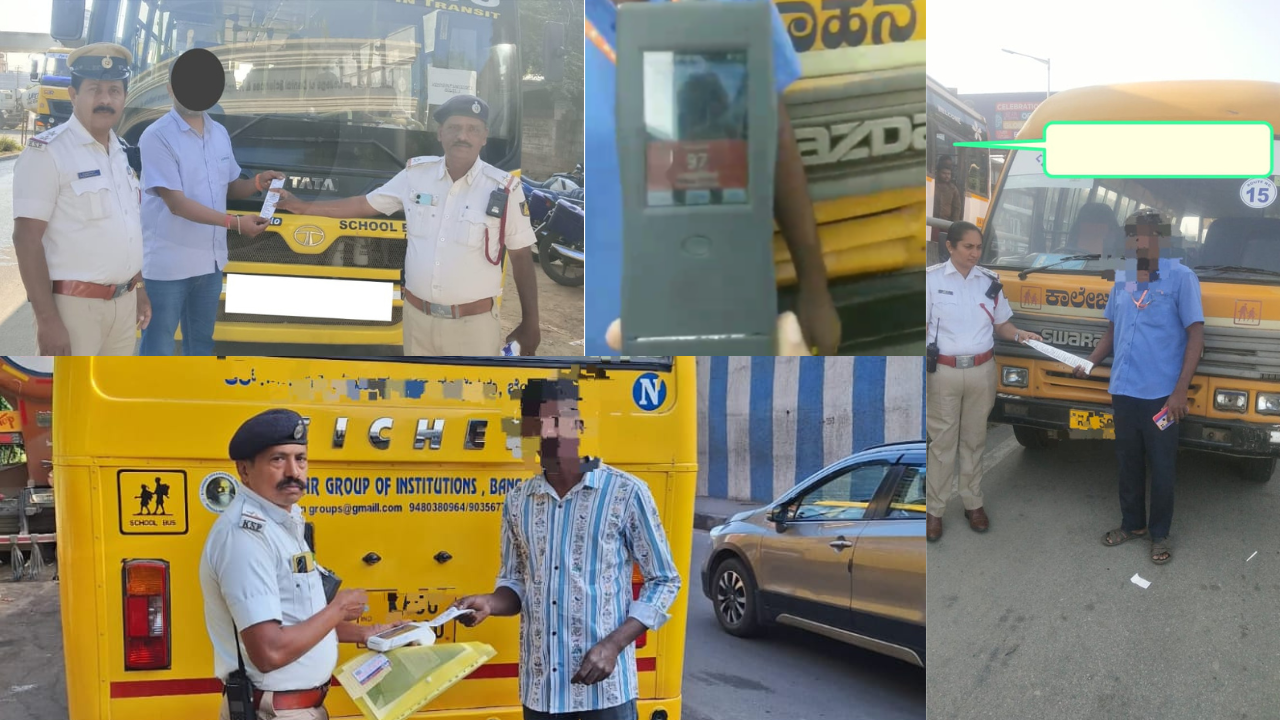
{"x":965,"y":310}
{"x":259,"y":578}
{"x":461,"y":213}
{"x":77,"y":227}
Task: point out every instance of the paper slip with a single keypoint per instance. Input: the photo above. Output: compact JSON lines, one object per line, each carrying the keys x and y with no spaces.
{"x":273,"y":197}
{"x":446,"y":616}
{"x":1059,"y":355}
{"x":1137,"y":580}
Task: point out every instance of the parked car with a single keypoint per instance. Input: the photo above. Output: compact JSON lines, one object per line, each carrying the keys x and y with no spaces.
{"x":842,"y":554}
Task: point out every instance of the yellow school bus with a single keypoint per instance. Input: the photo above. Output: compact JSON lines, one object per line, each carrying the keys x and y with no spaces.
{"x":1226,"y":230}
{"x":409,"y":463}
{"x":858,"y":114}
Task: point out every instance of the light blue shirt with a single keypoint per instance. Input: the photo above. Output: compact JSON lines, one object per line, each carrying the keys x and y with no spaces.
{"x":1149,"y":342}
{"x":176,"y":157}
{"x":604,"y":292}
{"x":570,"y":562}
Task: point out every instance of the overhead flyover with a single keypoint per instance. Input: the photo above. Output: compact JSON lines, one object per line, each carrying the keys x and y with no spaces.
{"x":22,"y":42}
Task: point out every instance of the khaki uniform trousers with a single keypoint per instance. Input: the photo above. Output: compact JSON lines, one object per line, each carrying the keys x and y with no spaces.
{"x":479,"y":334}
{"x":100,"y":327}
{"x":266,"y":712}
{"x":959,"y":402}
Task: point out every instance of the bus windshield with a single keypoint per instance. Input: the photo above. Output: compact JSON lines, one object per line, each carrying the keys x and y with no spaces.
{"x":55,"y":65}
{"x":348,"y":70}
{"x":950,"y":122}
{"x":1225,"y":229}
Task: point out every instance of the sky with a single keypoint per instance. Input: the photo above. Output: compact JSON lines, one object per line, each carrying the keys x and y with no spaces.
{"x":25,"y":15}
{"x":1093,"y":42}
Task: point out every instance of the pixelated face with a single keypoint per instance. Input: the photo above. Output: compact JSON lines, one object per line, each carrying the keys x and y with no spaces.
{"x":559,"y":430}
{"x":1142,"y":244}
{"x":278,"y":474}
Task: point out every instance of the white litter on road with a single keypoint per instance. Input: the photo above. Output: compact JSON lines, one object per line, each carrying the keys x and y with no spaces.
{"x":1137,"y":580}
{"x":15,"y":689}
{"x":1255,"y":552}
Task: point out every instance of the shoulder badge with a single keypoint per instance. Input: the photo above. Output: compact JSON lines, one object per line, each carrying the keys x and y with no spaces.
{"x":939,"y":266}
{"x":37,"y":143}
{"x":420,"y":160}
{"x":251,"y":520}
{"x":49,"y":135}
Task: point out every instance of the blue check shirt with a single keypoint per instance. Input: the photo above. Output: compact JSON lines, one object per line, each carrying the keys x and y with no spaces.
{"x":1149,"y":342}
{"x":604,"y":221}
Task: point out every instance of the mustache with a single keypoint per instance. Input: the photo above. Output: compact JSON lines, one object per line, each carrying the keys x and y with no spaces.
{"x":105,"y":109}
{"x":462,"y":143}
{"x":287,"y":483}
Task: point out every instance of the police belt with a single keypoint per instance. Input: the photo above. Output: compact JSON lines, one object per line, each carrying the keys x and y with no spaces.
{"x":293,"y":699}
{"x":482,"y":305}
{"x":93,"y":291}
{"x":961,"y":362}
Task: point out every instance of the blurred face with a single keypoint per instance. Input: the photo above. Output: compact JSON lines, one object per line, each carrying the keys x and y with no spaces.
{"x":966,"y":252}
{"x":97,"y":104}
{"x":560,"y":428}
{"x":462,"y":138}
{"x":1145,"y":246}
{"x":278,"y":474}
{"x":1093,"y":235}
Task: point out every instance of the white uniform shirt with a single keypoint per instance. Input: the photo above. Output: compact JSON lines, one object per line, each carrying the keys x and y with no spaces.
{"x":91,"y":199}
{"x":446,"y":259}
{"x":960,"y":315}
{"x":248,"y":574}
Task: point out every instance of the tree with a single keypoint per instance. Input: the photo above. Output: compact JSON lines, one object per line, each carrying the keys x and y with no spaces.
{"x":534,"y":15}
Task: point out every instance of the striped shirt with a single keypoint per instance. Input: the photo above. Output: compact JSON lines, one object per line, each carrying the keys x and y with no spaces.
{"x":570,"y":561}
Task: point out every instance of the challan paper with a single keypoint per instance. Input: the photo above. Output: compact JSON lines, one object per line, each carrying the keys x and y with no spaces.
{"x":394,"y":685}
{"x":1059,"y":355}
{"x":273,"y":197}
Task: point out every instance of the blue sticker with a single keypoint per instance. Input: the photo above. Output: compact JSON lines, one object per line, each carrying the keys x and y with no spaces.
{"x":90,"y":173}
{"x":649,"y":392}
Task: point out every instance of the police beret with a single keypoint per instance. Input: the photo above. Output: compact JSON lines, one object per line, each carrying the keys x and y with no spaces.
{"x":101,"y":61}
{"x":465,"y":105}
{"x":267,"y":429}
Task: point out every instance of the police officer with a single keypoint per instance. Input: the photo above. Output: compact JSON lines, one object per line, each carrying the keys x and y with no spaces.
{"x":461,"y":214}
{"x":964,"y":316}
{"x":261,"y":583}
{"x":77,"y":229}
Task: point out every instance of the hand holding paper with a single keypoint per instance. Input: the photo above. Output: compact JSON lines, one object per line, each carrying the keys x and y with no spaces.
{"x":1060,"y":356}
{"x":273,"y":197}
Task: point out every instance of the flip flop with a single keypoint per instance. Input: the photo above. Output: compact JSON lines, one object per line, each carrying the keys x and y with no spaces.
{"x":1119,"y":536}
{"x":1161,"y":547}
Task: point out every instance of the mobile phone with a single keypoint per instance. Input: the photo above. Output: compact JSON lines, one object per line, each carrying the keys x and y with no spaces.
{"x":1162,"y":419}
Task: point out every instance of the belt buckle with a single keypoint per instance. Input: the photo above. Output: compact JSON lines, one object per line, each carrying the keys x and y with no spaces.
{"x":964,"y":361}
{"x":120,"y":289}
{"x":442,"y":311}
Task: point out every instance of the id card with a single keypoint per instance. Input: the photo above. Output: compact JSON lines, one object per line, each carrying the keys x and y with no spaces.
{"x":1162,"y":419}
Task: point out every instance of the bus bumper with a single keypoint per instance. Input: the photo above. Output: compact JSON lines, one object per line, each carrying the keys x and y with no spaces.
{"x":1231,"y":437}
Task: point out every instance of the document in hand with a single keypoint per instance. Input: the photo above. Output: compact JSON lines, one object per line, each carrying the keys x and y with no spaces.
{"x":394,"y":685}
{"x":273,"y":197}
{"x":1060,"y":356}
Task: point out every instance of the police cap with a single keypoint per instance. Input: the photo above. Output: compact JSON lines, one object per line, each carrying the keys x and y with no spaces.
{"x":101,"y":61}
{"x":267,"y":429}
{"x":465,"y":105}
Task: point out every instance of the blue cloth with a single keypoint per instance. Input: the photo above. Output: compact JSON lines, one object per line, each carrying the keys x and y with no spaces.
{"x":176,"y":157}
{"x":604,"y":292}
{"x":193,"y":302}
{"x":570,"y":560}
{"x":1149,"y":342}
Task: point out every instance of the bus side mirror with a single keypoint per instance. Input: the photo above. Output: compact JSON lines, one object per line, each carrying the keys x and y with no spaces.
{"x":553,"y":51}
{"x":68,"y":20}
{"x":35,"y":70}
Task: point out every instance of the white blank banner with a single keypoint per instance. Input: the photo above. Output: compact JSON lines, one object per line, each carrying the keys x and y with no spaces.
{"x":304,"y":297}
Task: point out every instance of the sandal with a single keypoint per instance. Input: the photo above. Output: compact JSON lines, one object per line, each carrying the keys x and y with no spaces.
{"x":1161,"y":551}
{"x":1120,"y":536}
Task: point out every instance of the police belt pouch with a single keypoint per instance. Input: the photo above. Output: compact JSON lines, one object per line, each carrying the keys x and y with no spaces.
{"x":238,"y":689}
{"x":330,"y":582}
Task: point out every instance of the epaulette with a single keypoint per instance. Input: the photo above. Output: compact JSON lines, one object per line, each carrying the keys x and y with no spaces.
{"x":420,"y":160}
{"x":501,"y":176}
{"x":251,"y":519}
{"x":43,"y":139}
{"x":931,"y":268}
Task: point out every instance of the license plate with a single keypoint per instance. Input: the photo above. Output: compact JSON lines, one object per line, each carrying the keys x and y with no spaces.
{"x":1092,"y":424}
{"x":303,"y":297}
{"x":414,"y":606}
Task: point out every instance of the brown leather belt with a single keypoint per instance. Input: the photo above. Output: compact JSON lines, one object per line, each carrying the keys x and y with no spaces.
{"x":482,"y":305}
{"x":293,"y":699}
{"x":93,"y":291}
{"x":966,"y":361}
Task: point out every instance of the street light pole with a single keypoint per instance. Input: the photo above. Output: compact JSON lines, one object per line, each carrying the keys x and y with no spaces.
{"x":1048,"y":77}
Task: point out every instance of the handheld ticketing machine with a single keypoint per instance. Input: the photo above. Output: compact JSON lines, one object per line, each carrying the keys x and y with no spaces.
{"x":697,"y":124}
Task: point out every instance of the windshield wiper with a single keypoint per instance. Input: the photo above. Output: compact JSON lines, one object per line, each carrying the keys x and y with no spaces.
{"x":1238,"y":269}
{"x":1070,"y":258}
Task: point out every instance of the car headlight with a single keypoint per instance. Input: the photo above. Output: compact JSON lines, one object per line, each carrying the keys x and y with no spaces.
{"x":1231,"y":400}
{"x":1268,"y":403}
{"x":1013,"y":377}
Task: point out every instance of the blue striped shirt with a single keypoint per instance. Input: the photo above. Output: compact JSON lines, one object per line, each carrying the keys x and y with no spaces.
{"x":570,"y":561}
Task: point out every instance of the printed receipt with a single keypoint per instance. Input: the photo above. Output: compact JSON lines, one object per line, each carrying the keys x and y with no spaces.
{"x":447,"y":615}
{"x":1059,"y":355}
{"x":273,"y":197}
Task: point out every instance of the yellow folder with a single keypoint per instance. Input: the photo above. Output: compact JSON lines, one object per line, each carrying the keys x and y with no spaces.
{"x":393,"y":685}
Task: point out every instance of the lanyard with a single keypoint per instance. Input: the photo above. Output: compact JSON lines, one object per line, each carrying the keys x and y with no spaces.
{"x":1139,"y":302}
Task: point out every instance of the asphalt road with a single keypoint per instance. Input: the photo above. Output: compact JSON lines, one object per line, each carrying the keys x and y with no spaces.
{"x":32,"y":684}
{"x":1037,"y":618}
{"x":787,"y":674}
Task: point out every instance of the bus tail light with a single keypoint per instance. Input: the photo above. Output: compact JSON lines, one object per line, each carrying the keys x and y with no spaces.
{"x":637,"y":582}
{"x":146,"y":615}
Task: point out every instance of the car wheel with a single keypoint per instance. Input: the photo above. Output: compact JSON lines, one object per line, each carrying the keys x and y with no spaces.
{"x":1033,"y":438}
{"x":734,"y":599}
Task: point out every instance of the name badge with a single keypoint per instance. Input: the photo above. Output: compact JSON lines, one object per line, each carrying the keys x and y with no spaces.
{"x":89,"y":174}
{"x":945,"y":292}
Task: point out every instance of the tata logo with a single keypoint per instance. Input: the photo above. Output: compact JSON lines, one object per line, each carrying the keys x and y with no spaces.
{"x":649,"y":392}
{"x":299,"y":182}
{"x":860,"y":140}
{"x":308,"y":236}
{"x":1070,"y":338}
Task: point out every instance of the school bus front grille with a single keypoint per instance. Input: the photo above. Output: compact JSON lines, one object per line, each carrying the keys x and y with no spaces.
{"x":271,"y":247}
{"x":397,"y":313}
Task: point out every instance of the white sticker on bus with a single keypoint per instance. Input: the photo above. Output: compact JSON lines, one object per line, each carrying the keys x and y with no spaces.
{"x":1258,"y":192}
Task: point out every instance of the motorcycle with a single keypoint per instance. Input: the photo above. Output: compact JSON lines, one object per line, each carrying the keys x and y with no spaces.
{"x":559,"y":222}
{"x":561,"y":182}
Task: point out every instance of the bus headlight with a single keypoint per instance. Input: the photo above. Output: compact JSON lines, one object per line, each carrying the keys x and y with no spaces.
{"x":1231,"y":400}
{"x":1013,"y":377}
{"x":1268,"y":403}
